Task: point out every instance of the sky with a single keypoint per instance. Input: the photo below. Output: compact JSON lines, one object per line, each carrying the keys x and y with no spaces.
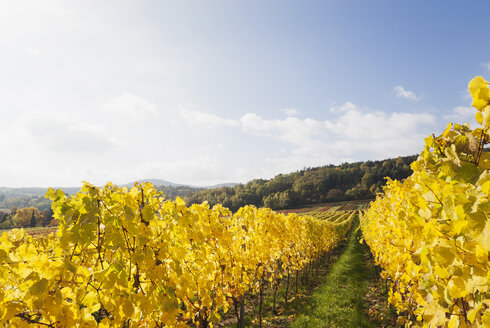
{"x":208,"y":92}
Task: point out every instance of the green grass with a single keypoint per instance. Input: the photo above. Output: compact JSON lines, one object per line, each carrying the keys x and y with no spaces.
{"x":339,"y":301}
{"x":296,"y":301}
{"x":345,"y":291}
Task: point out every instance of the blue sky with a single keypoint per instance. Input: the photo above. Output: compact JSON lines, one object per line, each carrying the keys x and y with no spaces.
{"x":205,"y":92}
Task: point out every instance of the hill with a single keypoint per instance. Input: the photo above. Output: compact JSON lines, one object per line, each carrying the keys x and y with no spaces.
{"x":155,"y":182}
{"x":34,"y":196}
{"x":348,"y":181}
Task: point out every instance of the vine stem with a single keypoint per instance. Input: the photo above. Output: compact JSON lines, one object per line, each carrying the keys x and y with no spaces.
{"x":481,"y":145}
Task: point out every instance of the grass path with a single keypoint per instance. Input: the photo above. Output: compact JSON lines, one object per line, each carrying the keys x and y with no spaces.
{"x":341,"y":300}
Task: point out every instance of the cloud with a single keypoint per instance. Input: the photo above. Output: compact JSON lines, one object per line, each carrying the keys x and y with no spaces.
{"x":34,"y":52}
{"x":376,"y":125}
{"x":486,"y":65}
{"x":354,"y":135}
{"x":132,"y":105}
{"x":290,"y":111}
{"x":291,"y":129}
{"x":401,"y":92}
{"x":462,"y":114}
{"x":64,"y":134}
{"x":205,"y":119}
{"x":352,"y":124}
{"x":343,"y":108}
{"x":376,"y":135}
{"x":208,"y":148}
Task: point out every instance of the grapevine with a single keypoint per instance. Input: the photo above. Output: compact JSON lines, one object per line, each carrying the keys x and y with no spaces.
{"x":431,"y":234}
{"x":129,"y":258}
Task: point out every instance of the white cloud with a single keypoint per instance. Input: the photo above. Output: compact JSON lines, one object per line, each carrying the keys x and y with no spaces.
{"x":375,"y":125}
{"x":486,"y":65}
{"x":132,"y":105}
{"x":65,"y":134}
{"x":354,"y":135}
{"x":291,"y":129}
{"x":290,"y":111}
{"x":378,"y":135}
{"x":462,"y":114}
{"x":401,"y":92}
{"x":208,"y":148}
{"x":205,"y":119}
{"x":286,"y":145}
{"x":343,"y":108}
{"x":34,"y":52}
{"x":352,"y":124}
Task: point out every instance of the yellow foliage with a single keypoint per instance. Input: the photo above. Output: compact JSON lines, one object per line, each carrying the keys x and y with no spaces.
{"x":430,"y":233}
{"x":149,"y":262}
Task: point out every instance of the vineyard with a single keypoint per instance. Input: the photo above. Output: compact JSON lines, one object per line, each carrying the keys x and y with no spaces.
{"x":431,"y":233}
{"x":331,"y":207}
{"x":127,"y":257}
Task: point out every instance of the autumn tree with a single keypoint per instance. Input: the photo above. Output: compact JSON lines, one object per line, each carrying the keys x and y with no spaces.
{"x":26,"y":217}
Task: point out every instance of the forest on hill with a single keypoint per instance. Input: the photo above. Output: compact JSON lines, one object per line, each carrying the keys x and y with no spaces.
{"x":348,"y":181}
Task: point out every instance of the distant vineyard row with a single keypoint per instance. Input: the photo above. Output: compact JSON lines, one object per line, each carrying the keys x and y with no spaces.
{"x":331,"y":207}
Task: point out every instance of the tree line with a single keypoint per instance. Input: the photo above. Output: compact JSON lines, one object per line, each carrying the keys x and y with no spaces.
{"x":7,"y":201}
{"x":26,"y":217}
{"x":24,"y":211}
{"x":330,"y":183}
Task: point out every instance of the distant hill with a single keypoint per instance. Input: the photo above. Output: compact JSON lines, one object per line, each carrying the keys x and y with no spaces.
{"x":11,"y":192}
{"x":330,"y":183}
{"x":34,"y":196}
{"x":159,"y":182}
{"x":231,"y":184}
{"x":155,"y":182}
{"x":28,"y":197}
{"x":33,"y":191}
{"x":348,"y":181}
